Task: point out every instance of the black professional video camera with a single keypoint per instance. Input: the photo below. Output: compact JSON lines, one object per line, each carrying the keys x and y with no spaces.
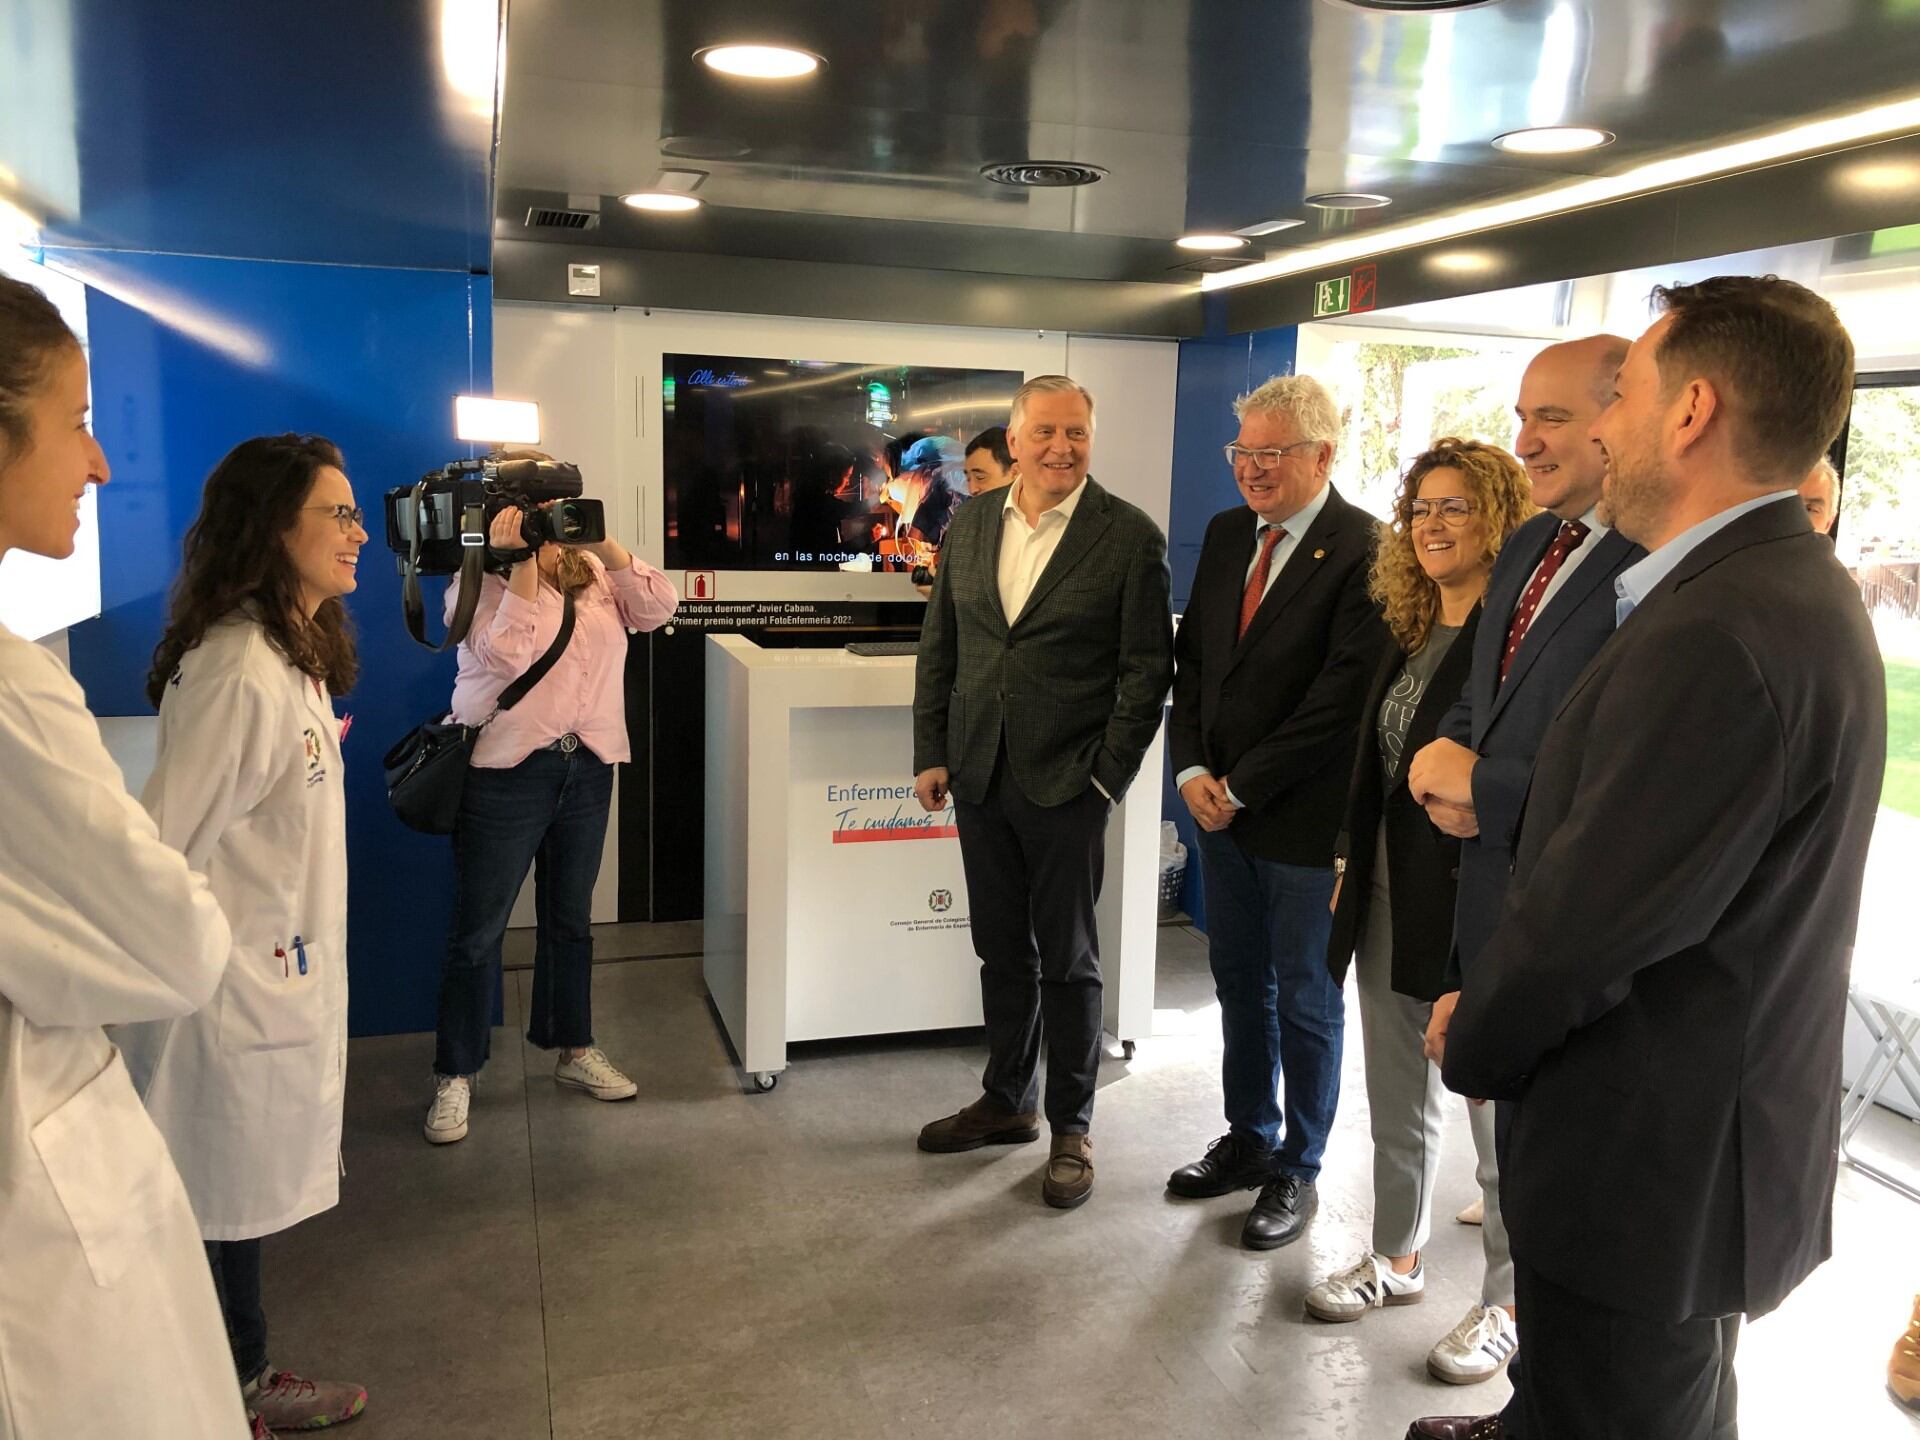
{"x":439,"y":525}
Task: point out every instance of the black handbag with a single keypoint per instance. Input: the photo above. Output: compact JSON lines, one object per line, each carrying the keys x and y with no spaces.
{"x":427,"y":769}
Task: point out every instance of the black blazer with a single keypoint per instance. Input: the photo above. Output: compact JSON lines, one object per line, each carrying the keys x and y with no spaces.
{"x":1277,"y":712}
{"x":1666,"y":990}
{"x":1422,"y":860}
{"x":1076,"y":684}
{"x":1503,"y":723}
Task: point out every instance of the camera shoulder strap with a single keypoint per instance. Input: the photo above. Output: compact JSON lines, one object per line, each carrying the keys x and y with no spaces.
{"x":517,"y":691}
{"x":414,"y":607}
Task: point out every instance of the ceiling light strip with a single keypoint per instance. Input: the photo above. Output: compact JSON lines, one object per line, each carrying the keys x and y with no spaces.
{"x":1820,"y":135}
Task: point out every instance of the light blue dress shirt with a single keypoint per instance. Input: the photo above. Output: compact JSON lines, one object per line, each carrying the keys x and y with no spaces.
{"x":1633,"y":584}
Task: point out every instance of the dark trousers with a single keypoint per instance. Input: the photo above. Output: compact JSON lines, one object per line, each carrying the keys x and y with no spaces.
{"x":1033,"y":876}
{"x":1281,"y":1016}
{"x":236,"y":1279}
{"x":1598,"y":1374}
{"x":550,"y":808}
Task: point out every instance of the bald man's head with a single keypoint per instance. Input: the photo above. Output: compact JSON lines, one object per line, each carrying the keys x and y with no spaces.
{"x":1562,"y":393}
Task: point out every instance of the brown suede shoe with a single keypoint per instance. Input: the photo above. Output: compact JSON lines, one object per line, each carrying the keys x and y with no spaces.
{"x":981,"y":1123}
{"x":1069,"y":1178}
{"x":1903,"y":1370}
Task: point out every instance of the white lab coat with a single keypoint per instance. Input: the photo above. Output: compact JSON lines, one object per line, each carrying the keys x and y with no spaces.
{"x":248,"y":1090}
{"x":108,"y":1322}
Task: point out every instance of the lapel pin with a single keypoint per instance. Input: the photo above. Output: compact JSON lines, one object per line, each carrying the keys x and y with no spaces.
{"x":1319,"y":554}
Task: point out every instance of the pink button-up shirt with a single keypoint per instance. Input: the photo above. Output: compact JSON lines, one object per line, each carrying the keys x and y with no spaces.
{"x":585,"y":691}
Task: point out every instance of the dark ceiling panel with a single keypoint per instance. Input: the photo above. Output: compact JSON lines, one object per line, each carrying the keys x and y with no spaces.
{"x":1207,"y":113}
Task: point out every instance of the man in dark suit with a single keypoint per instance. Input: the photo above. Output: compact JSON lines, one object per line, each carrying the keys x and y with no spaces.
{"x":1274,"y":655}
{"x":1549,"y":608}
{"x":1044,"y":661}
{"x":1664,"y":995}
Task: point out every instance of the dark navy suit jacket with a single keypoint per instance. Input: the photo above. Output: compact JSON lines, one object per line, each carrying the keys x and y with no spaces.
{"x":1504,"y":723}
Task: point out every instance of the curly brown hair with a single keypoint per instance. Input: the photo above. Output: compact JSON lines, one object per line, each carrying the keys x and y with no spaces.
{"x":235,"y":559}
{"x":1498,"y":486}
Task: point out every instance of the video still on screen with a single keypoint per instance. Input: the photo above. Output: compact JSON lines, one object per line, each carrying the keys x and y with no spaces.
{"x":817,"y":465}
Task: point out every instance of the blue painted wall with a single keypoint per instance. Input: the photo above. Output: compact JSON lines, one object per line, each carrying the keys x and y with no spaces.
{"x":192,"y":355}
{"x":1214,"y":370}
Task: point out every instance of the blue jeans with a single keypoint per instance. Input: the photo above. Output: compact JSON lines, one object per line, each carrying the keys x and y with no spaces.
{"x":551,"y":807}
{"x":1281,"y":1015}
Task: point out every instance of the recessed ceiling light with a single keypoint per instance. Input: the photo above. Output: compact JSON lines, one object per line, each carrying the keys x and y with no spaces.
{"x":1881,"y":177}
{"x":1210,"y":242}
{"x":759,"y":62}
{"x":1464,"y":262}
{"x":660,"y":200}
{"x":1553,"y":140}
{"x":1348,"y":200}
{"x":1814,"y":137}
{"x":1412,"y":7}
{"x":703,"y":147}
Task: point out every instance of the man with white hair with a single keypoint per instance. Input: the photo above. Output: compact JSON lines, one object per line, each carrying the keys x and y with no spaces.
{"x":1274,"y":655}
{"x":1820,"y":493}
{"x":1043,"y":666}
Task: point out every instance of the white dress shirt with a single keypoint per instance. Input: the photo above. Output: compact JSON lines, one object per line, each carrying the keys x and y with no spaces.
{"x":1025,"y":549}
{"x":1596,"y":532}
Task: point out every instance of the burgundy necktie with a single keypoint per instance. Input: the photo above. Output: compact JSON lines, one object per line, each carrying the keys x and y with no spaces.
{"x":1572,"y":532}
{"x":1257,"y":582}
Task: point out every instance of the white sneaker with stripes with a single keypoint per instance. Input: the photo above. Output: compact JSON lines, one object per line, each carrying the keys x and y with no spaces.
{"x":1365,"y":1285}
{"x":1476,"y":1349}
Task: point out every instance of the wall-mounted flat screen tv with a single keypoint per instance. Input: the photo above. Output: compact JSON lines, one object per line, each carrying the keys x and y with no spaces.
{"x":817,"y":465}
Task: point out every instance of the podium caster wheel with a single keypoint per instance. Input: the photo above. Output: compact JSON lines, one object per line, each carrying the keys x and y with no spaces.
{"x":1126,"y":1049}
{"x":764,"y":1080}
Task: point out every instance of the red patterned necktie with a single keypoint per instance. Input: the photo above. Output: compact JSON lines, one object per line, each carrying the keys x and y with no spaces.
{"x":1572,"y":532}
{"x":1257,"y":582}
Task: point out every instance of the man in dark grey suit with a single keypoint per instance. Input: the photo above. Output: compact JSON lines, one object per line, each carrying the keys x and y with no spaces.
{"x":1665,"y":993}
{"x":1045,"y":657}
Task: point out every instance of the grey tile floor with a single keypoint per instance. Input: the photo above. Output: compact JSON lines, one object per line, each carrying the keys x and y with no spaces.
{"x":701,"y":1262}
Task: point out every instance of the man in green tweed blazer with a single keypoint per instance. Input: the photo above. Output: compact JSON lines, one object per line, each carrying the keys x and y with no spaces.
{"x":1045,"y":658}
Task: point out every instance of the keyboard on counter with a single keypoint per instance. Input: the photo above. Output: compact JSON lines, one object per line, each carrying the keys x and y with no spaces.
{"x":883,"y":647}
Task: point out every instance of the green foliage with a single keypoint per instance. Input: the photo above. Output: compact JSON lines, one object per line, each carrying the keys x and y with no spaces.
{"x":1883,"y":467}
{"x":1902,"y":790}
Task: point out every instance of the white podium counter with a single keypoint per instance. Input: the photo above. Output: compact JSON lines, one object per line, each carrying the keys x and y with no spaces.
{"x":835,"y":905}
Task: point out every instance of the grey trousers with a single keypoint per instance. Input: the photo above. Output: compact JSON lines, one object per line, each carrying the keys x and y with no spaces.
{"x":1407,"y":1105}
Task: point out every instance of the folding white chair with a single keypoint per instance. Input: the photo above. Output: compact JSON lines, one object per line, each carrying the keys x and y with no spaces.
{"x":1890,"y":1009}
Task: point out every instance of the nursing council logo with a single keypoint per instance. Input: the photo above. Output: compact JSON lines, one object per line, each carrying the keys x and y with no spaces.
{"x":940,"y":901}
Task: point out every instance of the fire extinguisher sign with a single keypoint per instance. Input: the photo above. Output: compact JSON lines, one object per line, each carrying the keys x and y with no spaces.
{"x":699,"y":585}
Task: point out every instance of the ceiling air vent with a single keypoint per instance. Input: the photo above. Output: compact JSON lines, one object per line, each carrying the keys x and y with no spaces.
{"x":551,"y":218}
{"x":1045,"y":174}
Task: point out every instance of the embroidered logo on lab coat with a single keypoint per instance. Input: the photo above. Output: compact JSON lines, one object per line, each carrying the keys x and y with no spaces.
{"x":316,"y":771}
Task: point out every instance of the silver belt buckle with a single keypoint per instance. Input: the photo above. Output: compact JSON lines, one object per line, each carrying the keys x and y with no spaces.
{"x":569,"y":743}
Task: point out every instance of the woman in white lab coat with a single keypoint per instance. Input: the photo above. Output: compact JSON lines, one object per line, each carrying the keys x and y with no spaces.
{"x":108,"y":1325}
{"x":248,"y":1090}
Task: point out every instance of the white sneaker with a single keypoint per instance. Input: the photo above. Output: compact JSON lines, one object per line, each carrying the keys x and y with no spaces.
{"x":447,"y":1117}
{"x":1476,"y":1349}
{"x":1365,"y":1285}
{"x":592,"y":1072}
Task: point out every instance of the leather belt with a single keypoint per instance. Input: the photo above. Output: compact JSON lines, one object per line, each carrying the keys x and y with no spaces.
{"x":566,"y":744}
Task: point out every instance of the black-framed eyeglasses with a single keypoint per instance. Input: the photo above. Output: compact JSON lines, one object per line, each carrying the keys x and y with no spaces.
{"x":1453,"y":510}
{"x":350,"y":517}
{"x":1264,"y":459}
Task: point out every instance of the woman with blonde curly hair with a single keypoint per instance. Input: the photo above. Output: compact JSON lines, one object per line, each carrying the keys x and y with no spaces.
{"x":1458,"y":503}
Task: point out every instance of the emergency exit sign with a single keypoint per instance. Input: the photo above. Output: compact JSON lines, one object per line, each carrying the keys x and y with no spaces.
{"x":1347,"y":294}
{"x":1333,"y":297}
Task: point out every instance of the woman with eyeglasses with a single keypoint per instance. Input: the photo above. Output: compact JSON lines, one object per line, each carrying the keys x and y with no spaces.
{"x":1393,"y":907}
{"x":248,"y":1090}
